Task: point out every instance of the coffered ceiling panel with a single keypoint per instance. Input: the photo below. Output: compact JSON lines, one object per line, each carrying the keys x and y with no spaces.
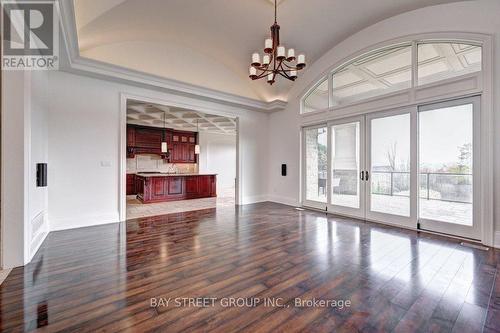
{"x":149,"y":114}
{"x":209,"y":43}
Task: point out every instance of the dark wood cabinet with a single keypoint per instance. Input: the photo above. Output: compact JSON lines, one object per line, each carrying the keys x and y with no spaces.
{"x":191,"y":154}
{"x":130,"y":136}
{"x":131,"y":184}
{"x":204,"y":186}
{"x":147,"y":140}
{"x":191,"y":185}
{"x":176,"y":152}
{"x":139,"y":185}
{"x":171,"y":188}
{"x":183,"y":144}
{"x":175,"y":185}
{"x":158,"y":187}
{"x":182,"y":153}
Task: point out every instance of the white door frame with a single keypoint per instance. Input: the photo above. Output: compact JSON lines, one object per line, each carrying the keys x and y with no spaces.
{"x":122,"y":169}
{"x":474,"y":232}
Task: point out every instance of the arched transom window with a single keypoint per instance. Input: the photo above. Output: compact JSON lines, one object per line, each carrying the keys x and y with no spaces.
{"x":392,"y":69}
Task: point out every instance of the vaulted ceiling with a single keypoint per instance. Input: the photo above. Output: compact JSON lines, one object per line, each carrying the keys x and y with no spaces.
{"x":209,"y":42}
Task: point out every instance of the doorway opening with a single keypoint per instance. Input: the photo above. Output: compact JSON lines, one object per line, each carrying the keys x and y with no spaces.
{"x":412,"y":167}
{"x":178,"y":160}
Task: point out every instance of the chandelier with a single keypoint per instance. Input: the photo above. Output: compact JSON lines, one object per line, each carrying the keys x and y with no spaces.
{"x":276,"y":61}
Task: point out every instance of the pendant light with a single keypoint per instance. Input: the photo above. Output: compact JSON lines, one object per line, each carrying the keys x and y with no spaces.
{"x":164,"y":147}
{"x":197,"y":146}
{"x":276,"y":60}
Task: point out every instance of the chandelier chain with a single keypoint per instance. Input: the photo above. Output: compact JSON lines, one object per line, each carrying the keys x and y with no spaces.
{"x":275,"y":12}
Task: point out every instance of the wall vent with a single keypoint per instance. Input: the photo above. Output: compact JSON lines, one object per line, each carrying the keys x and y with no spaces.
{"x":36,"y":224}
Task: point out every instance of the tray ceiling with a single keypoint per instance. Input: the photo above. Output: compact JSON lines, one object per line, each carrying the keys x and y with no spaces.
{"x":208,"y":43}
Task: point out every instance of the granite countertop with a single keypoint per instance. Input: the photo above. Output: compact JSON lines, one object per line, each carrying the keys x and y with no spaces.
{"x":159,"y":174}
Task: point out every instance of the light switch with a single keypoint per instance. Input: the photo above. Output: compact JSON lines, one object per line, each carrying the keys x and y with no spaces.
{"x":105,"y":164}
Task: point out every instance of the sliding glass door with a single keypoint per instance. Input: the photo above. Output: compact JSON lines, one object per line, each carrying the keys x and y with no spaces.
{"x":406,"y":167}
{"x":346,"y":162}
{"x":390,"y":157}
{"x":315,"y":143}
{"x":448,"y":167}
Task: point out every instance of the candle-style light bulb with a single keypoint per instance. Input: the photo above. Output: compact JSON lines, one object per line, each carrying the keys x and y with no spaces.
{"x":270,"y":78}
{"x":281,"y":52}
{"x":252,"y":72}
{"x":301,"y":61}
{"x":268,"y":45}
{"x":256,"y":59}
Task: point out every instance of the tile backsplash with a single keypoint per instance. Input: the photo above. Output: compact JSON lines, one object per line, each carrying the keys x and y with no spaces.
{"x":147,"y":162}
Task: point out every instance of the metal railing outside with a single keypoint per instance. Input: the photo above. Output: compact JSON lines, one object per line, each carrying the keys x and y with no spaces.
{"x":451,"y":186}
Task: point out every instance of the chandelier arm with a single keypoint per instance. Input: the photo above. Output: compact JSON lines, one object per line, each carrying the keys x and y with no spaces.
{"x":284,"y":73}
{"x":292,"y":68}
{"x":285,"y":76}
{"x":283,"y":69}
{"x":263,"y":67}
{"x":260,"y":76}
{"x":280,"y":64}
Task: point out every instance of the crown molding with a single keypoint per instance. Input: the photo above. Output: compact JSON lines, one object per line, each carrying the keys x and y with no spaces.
{"x":84,"y":66}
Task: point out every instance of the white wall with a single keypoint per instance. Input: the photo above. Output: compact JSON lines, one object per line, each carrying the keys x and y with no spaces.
{"x":84,"y":129}
{"x":24,"y":143}
{"x":38,"y":196}
{"x":475,"y":17}
{"x":218,"y":155}
{"x":14,"y":162}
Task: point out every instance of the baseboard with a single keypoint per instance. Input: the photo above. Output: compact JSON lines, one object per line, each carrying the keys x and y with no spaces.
{"x":284,"y":200}
{"x":33,"y":250}
{"x":254,"y":199}
{"x":496,"y":240}
{"x":83,"y":221}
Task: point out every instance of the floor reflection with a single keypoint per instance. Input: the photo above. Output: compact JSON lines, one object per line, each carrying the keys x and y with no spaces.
{"x":102,"y":278}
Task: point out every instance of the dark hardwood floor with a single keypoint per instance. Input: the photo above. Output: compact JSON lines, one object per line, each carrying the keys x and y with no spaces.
{"x":103,"y":278}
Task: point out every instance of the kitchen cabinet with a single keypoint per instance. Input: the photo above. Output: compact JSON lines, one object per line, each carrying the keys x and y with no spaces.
{"x":147,"y":140}
{"x":130,"y":136}
{"x":191,"y":154}
{"x":175,"y":185}
{"x":139,"y":185}
{"x":191,"y":185}
{"x":182,"y":153}
{"x":131,"y":184}
{"x":159,"y":188}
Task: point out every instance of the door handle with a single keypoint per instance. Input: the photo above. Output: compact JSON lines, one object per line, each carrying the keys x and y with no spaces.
{"x":367,"y":175}
{"x":362,"y":175}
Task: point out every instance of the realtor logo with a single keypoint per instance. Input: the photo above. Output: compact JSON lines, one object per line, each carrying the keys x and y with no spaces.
{"x":30,"y":35}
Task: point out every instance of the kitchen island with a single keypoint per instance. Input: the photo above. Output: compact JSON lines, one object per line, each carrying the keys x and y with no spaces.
{"x":161,"y":187}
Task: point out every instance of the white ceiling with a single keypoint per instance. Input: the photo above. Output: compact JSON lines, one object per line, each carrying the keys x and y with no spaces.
{"x":209,"y":42}
{"x":149,"y":114}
